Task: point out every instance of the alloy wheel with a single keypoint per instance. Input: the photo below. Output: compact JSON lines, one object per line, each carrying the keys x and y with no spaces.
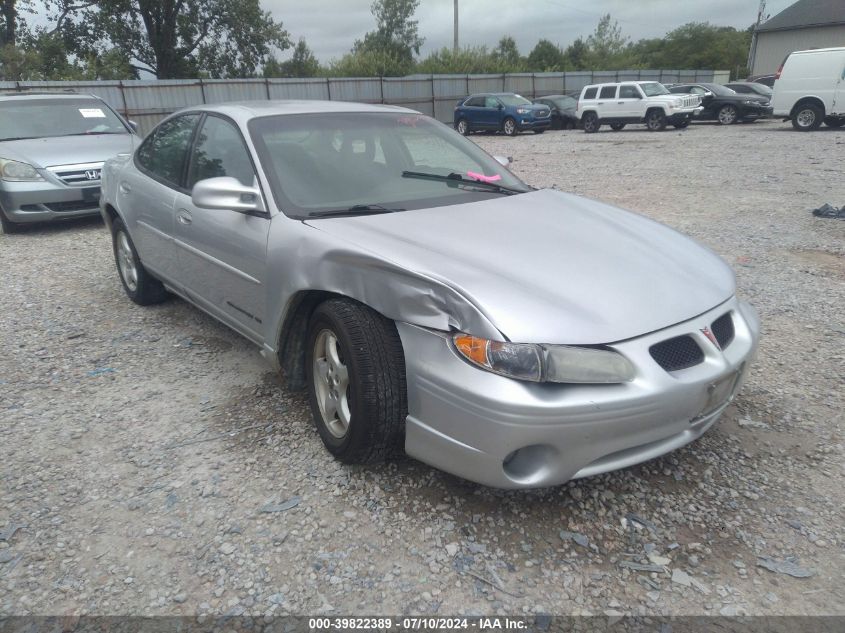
{"x":126,"y":262}
{"x":331,"y":383}
{"x":727,"y":115}
{"x":510,"y":127}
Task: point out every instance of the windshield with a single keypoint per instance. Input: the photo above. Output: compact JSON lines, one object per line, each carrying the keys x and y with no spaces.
{"x":513,"y":100}
{"x":40,"y":118}
{"x":321,"y":162}
{"x":653,"y":89}
{"x":565,"y":103}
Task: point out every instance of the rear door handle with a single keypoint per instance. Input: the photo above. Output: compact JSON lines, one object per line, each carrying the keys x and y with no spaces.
{"x":124,"y":188}
{"x":184,"y":217}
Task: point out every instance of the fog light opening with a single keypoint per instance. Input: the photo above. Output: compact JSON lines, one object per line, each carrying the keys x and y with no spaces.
{"x":530,"y":464}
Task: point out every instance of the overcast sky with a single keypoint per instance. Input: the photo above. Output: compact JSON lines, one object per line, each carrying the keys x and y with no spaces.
{"x":331,"y":26}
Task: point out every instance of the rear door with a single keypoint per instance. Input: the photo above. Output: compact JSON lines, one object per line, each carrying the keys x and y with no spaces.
{"x":608,"y":107}
{"x":146,"y":193}
{"x":493,"y":110}
{"x":221,"y":254}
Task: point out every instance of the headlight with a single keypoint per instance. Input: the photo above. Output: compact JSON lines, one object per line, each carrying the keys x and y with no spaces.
{"x":749,"y":102}
{"x":15,"y":171}
{"x":522,"y":110}
{"x":545,"y":363}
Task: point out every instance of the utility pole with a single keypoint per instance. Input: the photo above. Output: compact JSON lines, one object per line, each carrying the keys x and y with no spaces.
{"x":455,"y":45}
{"x":752,"y":53}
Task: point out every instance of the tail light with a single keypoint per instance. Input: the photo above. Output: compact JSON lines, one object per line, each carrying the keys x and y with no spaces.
{"x":777,"y":74}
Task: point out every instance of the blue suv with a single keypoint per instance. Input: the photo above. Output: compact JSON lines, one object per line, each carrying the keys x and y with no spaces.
{"x":503,"y":111}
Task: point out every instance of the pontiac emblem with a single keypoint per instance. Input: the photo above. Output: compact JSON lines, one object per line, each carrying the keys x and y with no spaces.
{"x":710,"y":337}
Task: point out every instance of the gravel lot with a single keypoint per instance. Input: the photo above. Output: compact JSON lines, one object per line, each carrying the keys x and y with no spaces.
{"x":147,"y":454}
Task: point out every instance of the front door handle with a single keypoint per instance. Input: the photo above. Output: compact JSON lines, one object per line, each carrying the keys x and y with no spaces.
{"x":184,"y":217}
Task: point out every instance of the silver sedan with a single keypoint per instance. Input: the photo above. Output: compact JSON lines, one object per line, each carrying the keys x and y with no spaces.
{"x":425,"y":297}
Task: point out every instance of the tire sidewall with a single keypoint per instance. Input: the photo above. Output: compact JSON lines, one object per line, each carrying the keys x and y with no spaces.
{"x":660,"y":120}
{"x":817,"y":120}
{"x":514,"y":130}
{"x":465,"y":124}
{"x":590,"y":123}
{"x":728,"y":108}
{"x":119,"y":227}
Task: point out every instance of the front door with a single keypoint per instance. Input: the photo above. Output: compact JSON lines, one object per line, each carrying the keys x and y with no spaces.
{"x":221,"y":254}
{"x":629,"y":101}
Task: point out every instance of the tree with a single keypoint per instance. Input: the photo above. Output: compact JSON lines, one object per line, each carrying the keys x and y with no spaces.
{"x":302,"y":64}
{"x":507,"y":53}
{"x":396,"y":36}
{"x":10,"y":20}
{"x":576,"y":56}
{"x":545,"y":57}
{"x":175,"y":38}
{"x":606,"y":46}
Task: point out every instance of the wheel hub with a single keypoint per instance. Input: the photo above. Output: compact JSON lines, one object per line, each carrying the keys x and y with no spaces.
{"x":331,"y":384}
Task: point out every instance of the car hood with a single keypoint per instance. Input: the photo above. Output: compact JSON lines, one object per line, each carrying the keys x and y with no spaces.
{"x":67,"y":150}
{"x":549,"y":267}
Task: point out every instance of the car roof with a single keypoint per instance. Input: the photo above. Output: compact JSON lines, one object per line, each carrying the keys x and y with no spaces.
{"x":555,"y":97}
{"x":618,"y":83}
{"x":246,"y":110}
{"x":17,"y":96}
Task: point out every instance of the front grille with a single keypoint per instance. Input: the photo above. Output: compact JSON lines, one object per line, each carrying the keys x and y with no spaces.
{"x":723,"y":330}
{"x":67,"y":207}
{"x":692,"y":101}
{"x":83,"y":175}
{"x":677,"y":353}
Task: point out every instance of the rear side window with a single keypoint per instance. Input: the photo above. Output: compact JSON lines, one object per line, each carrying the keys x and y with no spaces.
{"x":590,"y":93}
{"x":608,"y":92}
{"x":164,"y":152}
{"x":475,"y":102}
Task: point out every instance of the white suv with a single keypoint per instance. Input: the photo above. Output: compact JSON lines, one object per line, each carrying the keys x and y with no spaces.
{"x":646,"y":102}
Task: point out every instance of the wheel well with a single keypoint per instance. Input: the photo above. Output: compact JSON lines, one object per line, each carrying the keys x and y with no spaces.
{"x":111,"y":215}
{"x":291,"y":348}
{"x":655,"y":108}
{"x":807,"y":100}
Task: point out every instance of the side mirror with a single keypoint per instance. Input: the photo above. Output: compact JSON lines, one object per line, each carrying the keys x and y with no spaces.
{"x":226,"y":193}
{"x":500,"y":107}
{"x":133,"y":125}
{"x":504,"y":161}
{"x":707,"y":94}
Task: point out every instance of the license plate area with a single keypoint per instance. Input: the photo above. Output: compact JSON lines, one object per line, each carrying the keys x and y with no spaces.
{"x":720,"y":393}
{"x":91,"y":194}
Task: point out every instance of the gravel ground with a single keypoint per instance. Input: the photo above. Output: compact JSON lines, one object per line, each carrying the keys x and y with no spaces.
{"x":153,"y":464}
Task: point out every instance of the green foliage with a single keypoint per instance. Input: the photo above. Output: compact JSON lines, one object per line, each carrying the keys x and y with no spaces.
{"x":176,"y":38}
{"x":545,"y":57}
{"x":302,"y":64}
{"x":477,"y":60}
{"x":395,"y":41}
{"x":371,"y":63}
{"x":576,"y":56}
{"x":606,"y":47}
{"x":507,"y":54}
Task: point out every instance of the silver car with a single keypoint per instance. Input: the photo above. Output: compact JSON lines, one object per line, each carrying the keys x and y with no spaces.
{"x":425,"y":297}
{"x":52,"y":149}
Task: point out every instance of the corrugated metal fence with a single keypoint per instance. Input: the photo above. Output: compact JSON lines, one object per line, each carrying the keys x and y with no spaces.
{"x":147,"y":102}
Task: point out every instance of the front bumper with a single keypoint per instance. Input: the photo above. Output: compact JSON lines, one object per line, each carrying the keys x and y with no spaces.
{"x":43,"y":201}
{"x":757,"y":112}
{"x":534,"y":124}
{"x":511,"y":434}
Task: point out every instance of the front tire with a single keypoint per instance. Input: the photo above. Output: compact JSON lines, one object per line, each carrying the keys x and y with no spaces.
{"x":590,"y":122}
{"x":728,"y":115}
{"x":655,"y":120}
{"x":7,"y":225}
{"x":807,"y":117}
{"x":356,"y":379}
{"x":140,"y":286}
{"x":509,"y":127}
{"x":462,"y":127}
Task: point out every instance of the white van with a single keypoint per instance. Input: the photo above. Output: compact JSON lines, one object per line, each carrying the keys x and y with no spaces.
{"x":810,"y":88}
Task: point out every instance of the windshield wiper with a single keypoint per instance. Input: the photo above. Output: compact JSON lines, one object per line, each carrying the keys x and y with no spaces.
{"x":357,"y":209}
{"x":455,"y":180}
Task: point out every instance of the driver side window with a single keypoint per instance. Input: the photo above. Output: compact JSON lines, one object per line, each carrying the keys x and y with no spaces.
{"x":491,"y":102}
{"x":220,"y":151}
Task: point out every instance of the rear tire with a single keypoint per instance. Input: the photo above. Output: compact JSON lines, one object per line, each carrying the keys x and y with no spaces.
{"x":807,"y":117}
{"x":140,"y":286}
{"x":462,"y":127}
{"x":356,"y":380}
{"x":655,"y":120}
{"x":590,"y":122}
{"x":509,"y":127}
{"x":617,"y":126}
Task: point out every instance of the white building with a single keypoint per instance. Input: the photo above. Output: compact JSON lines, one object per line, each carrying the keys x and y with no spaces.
{"x":804,"y":25}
